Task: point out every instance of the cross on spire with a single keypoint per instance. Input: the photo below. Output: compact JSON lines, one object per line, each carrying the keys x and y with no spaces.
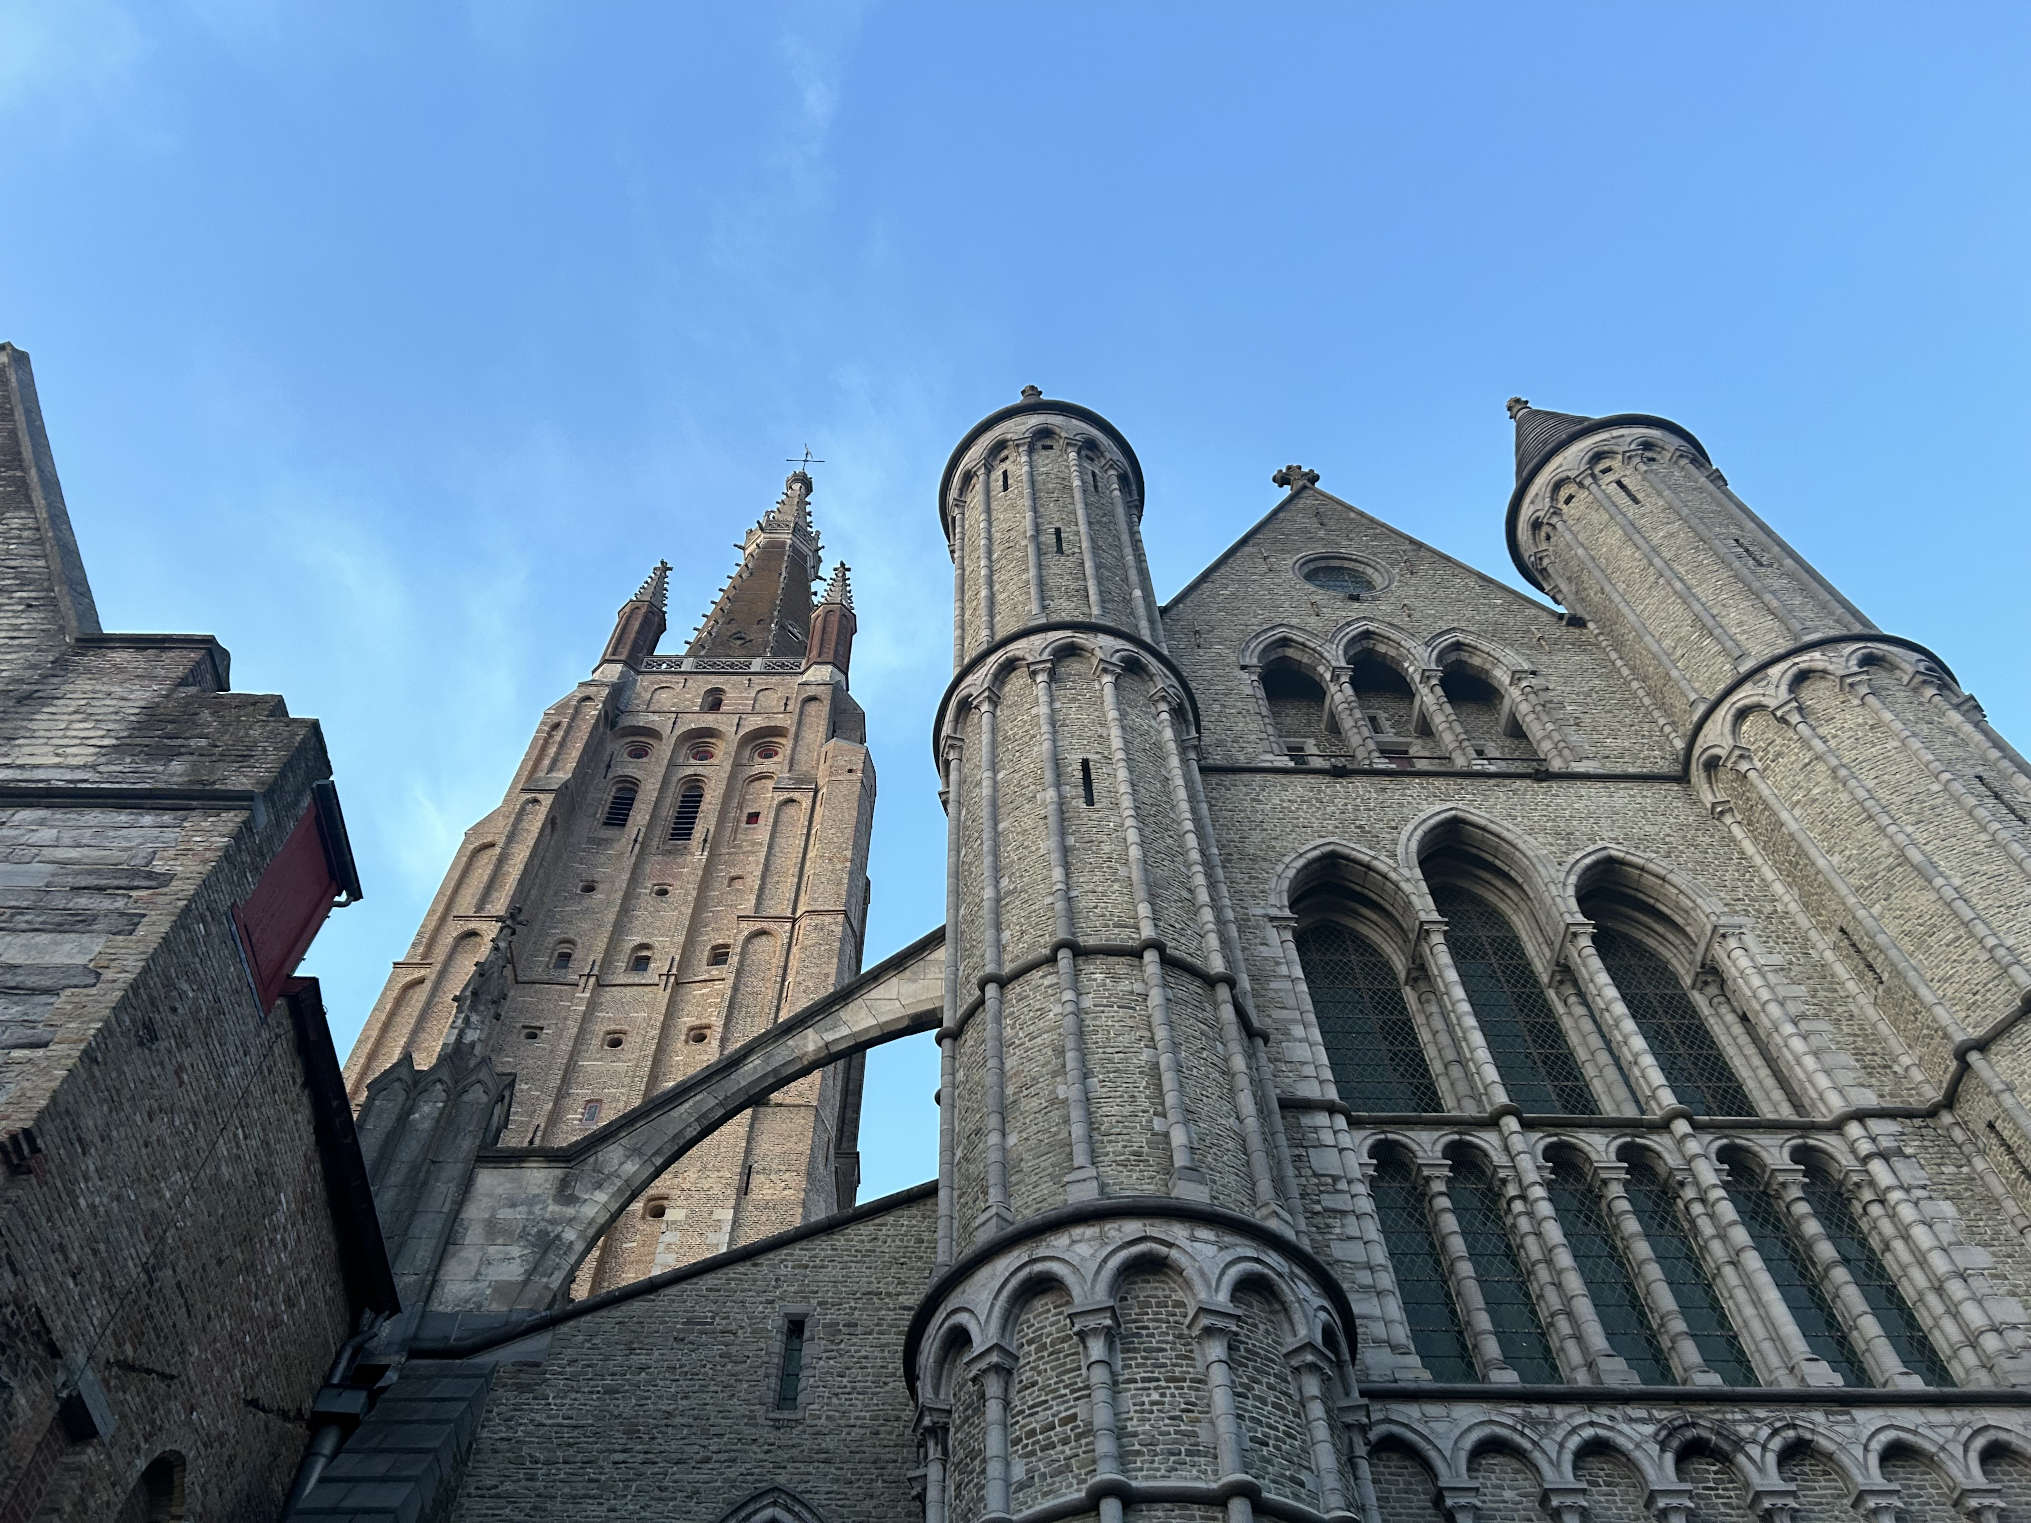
{"x":805,"y":461}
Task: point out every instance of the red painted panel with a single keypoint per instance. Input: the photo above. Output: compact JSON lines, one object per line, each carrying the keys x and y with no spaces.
{"x":281,"y":917}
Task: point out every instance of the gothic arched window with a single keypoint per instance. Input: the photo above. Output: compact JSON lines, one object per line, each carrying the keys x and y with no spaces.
{"x":1679,"y":1036}
{"x":1478,"y":1203}
{"x":619,"y":804}
{"x":1893,"y":1313}
{"x":1655,"y":1201}
{"x":1616,"y":1299}
{"x":1523,"y":1034}
{"x":714,"y":698}
{"x":1297,"y":707}
{"x":1796,"y":1283}
{"x":1370,"y":1037}
{"x":1420,"y":1273}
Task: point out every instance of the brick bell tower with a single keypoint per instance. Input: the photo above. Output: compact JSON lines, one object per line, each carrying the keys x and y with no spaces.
{"x":1116,"y":1232}
{"x":680,"y":861}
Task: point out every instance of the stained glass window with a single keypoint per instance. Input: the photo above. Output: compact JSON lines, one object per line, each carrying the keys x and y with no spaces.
{"x":1369,"y":1035}
{"x":1477,"y":1202}
{"x":1594,"y":1243}
{"x":1796,"y":1282}
{"x":1336,"y":576}
{"x":1830,"y":1204}
{"x":1655,"y":1200}
{"x":1420,"y":1277}
{"x":1529,"y":1046}
{"x":1678,"y":1035}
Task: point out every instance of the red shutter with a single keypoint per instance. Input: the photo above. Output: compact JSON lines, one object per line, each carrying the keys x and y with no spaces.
{"x":279,"y":919}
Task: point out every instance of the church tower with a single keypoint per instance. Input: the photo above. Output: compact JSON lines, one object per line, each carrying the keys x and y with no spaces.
{"x":679,"y":862}
{"x":1107,"y":1133}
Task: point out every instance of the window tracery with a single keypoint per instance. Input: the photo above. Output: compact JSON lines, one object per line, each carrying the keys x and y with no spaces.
{"x":1523,"y":1034}
{"x":1370,"y":1037}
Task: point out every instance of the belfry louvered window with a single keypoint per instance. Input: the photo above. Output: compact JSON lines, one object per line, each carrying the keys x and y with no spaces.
{"x":1477,"y":1202}
{"x":1367,"y":1028}
{"x":1524,"y":1036}
{"x":1420,"y":1275}
{"x":619,"y":804}
{"x":1893,"y":1313}
{"x":1796,"y":1283}
{"x":1655,"y":1200}
{"x":1678,"y":1035}
{"x":685,"y":820}
{"x":1620,"y":1306}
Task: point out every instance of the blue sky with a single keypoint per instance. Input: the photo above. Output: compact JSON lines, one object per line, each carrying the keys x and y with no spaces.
{"x":393,"y":342}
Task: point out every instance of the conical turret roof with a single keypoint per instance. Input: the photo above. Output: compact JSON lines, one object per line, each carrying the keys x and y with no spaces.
{"x":840,"y":589}
{"x":1540,"y":433}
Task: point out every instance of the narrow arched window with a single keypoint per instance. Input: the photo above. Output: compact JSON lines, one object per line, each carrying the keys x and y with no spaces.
{"x":1390,"y":710}
{"x":1524,"y":1036}
{"x":1420,"y":1273}
{"x":685,"y":820}
{"x":560,"y":960}
{"x":1679,"y":1036}
{"x":1893,"y":1313}
{"x":713,"y":699}
{"x":640,"y":958}
{"x":1655,"y":1201}
{"x":1371,"y":1040}
{"x":1484,"y":717}
{"x":619,"y":804}
{"x":1297,"y":705}
{"x":1478,"y":1203}
{"x":1610,"y":1284}
{"x":1796,"y":1283}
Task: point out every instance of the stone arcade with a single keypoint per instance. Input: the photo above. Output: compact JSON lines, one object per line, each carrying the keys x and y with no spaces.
{"x":1409,"y":1051}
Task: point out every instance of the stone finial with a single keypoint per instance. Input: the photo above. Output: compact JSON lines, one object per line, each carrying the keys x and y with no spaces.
{"x":1031,"y":393}
{"x":1291,"y":477}
{"x":1516,"y":405}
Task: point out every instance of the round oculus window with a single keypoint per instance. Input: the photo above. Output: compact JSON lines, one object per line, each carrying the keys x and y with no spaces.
{"x":1338,"y":576}
{"x":767,"y":753}
{"x":636,"y":751}
{"x":702,"y":752}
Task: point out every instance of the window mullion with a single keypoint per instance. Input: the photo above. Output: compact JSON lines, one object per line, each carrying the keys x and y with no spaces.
{"x":1665,"y":1315}
{"x":1864,"y":1331}
{"x":1597,"y":1058}
{"x":1460,"y":1276}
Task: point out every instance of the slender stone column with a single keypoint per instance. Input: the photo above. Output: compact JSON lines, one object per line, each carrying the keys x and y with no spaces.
{"x":934,"y":1429}
{"x":1863,"y":1328}
{"x":1272,"y":744}
{"x":1555,"y":521}
{"x":1129,"y":559}
{"x":1653,"y":1089}
{"x":1657,"y":482}
{"x":1308,"y":1365}
{"x":957,"y":550}
{"x":996,"y":1214}
{"x":1087,"y":561}
{"x":948,"y":1027}
{"x":1097,"y":1328}
{"x":1737,"y":1264}
{"x":993,"y":1370}
{"x":1239,"y":1049}
{"x":1445,"y":976}
{"x":1977,"y":731}
{"x":1596,"y":1061}
{"x":1353,"y":723}
{"x":1999,"y":834}
{"x":1455,"y":1086}
{"x":1655,"y":1289}
{"x":1033,"y":536}
{"x":1187,"y":1178}
{"x":986,"y":538}
{"x":1083,"y":1182}
{"x":1555,"y":1276}
{"x":1709,"y":996}
{"x":1459,"y":1264}
{"x":1526,"y":694}
{"x":1213,"y":1326}
{"x":1792,"y":713}
{"x":1694,"y":604}
{"x":1444,"y":722}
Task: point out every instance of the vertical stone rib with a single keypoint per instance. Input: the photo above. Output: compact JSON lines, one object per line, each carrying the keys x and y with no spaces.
{"x":1651,"y":1283}
{"x":997,"y":1213}
{"x":1086,"y":558}
{"x":948,"y":1033}
{"x":1032,"y":535}
{"x":986,"y":552}
{"x":1082,"y":1183}
{"x":1556,"y":521}
{"x":1128,"y":558}
{"x":1452,"y":1245}
{"x":1186,"y":1176}
{"x":1999,"y":835}
{"x":1694,"y":603}
{"x":958,"y":549}
{"x":1657,"y":482}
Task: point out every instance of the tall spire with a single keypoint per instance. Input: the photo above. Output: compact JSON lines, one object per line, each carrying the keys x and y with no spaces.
{"x":641,"y":621}
{"x":832,"y":626}
{"x":765,"y":607}
{"x":839,"y":589}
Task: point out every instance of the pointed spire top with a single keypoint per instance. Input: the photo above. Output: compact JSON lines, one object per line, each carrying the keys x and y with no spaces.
{"x":839,"y":590}
{"x":793,"y":509}
{"x":1541,"y":434}
{"x":655,"y":586}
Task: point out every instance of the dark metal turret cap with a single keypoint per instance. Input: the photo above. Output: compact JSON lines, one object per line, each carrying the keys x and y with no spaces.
{"x":1541,"y":435}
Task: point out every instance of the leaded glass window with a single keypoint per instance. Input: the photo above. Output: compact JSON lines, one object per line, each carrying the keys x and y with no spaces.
{"x":1420,"y":1276}
{"x":1679,"y":1036}
{"x":1796,"y":1282}
{"x":1594,"y":1242}
{"x":1477,"y":1202}
{"x":1655,"y":1200}
{"x":1529,"y":1046}
{"x":1337,"y":576}
{"x":1830,"y":1204}
{"x":1367,"y":1027}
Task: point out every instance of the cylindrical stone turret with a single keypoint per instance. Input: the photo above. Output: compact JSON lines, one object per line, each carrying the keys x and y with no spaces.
{"x":1103,"y":1083}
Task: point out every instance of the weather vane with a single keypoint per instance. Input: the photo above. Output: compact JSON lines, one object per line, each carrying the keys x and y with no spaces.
{"x":806,"y":462}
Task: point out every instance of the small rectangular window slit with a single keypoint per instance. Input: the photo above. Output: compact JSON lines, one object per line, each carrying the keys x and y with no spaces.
{"x":1086,"y":779}
{"x":791,"y":1376}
